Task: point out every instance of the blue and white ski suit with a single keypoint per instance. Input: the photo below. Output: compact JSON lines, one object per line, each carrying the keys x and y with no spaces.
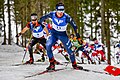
{"x":37,"y":37}
{"x":59,"y":26}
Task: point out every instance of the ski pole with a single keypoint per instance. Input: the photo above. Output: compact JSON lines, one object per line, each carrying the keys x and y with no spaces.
{"x":20,"y":43}
{"x":24,"y":54}
{"x":26,"y":49}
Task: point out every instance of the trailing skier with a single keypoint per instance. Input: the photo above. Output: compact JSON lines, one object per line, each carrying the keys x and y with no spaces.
{"x":37,"y":35}
{"x":80,"y":45}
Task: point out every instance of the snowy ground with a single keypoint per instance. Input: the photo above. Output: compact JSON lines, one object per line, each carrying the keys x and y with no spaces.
{"x":12,"y":54}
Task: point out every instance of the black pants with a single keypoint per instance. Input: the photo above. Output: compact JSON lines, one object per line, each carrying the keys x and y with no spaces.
{"x":33,"y":42}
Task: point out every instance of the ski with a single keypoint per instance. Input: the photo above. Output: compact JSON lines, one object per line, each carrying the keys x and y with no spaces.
{"x":62,"y":63}
{"x":44,"y":72}
{"x":47,"y":71}
{"x":87,"y":70}
{"x":18,"y":64}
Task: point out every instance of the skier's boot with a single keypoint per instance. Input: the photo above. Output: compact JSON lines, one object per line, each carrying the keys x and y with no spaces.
{"x":31,"y":61}
{"x":51,"y":67}
{"x":75,"y":66}
{"x":56,"y":62}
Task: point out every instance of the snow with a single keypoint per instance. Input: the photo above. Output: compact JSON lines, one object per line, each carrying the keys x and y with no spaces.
{"x":13,"y":54}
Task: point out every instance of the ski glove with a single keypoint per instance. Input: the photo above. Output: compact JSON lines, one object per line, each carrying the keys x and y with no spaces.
{"x":18,"y":35}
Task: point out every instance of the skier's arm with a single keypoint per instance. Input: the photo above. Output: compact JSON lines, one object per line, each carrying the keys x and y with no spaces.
{"x":46,"y":30}
{"x":72,"y":23}
{"x":23,"y":31}
{"x":49,"y":15}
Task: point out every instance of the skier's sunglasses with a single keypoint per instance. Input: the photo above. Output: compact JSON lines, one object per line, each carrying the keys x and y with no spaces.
{"x":60,"y":10}
{"x":33,"y":18}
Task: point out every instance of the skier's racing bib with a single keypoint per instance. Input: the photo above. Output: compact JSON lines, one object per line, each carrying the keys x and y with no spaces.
{"x":59,"y":28}
{"x":37,"y":35}
{"x":37,"y":32}
{"x":59,"y":24}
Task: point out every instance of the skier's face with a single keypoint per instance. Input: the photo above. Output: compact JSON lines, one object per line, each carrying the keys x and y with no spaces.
{"x":34,"y":19}
{"x":59,"y":13}
{"x":34,"y":22}
{"x":71,"y":36}
{"x":96,"y":41}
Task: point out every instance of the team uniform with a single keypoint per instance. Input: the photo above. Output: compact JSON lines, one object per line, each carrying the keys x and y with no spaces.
{"x":58,"y":31}
{"x":37,"y":30}
{"x":37,"y":37}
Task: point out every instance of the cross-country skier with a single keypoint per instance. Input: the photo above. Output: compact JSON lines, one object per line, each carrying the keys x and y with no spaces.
{"x":98,"y":47}
{"x":60,"y":19}
{"x":80,"y":45}
{"x":37,"y":35}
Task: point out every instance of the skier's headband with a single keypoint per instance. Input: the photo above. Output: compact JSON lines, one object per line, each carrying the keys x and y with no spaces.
{"x":60,"y":8}
{"x":33,"y":17}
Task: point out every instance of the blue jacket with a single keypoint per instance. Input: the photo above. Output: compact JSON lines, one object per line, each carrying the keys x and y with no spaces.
{"x":59,"y":25}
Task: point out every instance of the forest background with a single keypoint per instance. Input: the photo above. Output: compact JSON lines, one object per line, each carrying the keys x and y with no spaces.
{"x":94,"y":18}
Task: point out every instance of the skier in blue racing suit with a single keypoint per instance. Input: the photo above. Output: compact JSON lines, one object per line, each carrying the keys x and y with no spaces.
{"x":59,"y":24}
{"x":37,"y":35}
